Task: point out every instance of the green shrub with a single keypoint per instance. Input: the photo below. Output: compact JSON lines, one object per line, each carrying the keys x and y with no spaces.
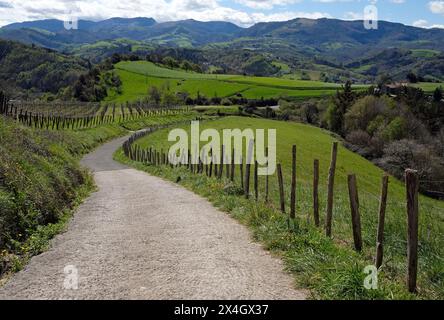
{"x":395,"y":130}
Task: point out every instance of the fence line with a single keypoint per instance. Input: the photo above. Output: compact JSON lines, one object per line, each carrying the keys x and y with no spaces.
{"x":412,"y":205}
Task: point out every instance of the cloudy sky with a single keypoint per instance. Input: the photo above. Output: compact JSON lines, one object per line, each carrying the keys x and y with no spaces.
{"x":422,"y":13}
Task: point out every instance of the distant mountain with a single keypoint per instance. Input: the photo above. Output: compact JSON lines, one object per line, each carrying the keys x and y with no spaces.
{"x":52,"y":34}
{"x":54,"y":25}
{"x":192,"y":32}
{"x":346,"y":39}
{"x":341,"y":39}
{"x":330,"y":47}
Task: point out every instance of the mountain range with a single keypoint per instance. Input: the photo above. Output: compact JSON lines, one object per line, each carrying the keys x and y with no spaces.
{"x":328,"y":46}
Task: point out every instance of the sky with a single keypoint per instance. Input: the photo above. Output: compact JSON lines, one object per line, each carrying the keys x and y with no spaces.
{"x":420,"y":13}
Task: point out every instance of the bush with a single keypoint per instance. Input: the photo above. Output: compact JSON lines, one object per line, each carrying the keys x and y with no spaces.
{"x":408,"y":154}
{"x":364,"y":144}
{"x":395,"y":130}
{"x":364,"y":111}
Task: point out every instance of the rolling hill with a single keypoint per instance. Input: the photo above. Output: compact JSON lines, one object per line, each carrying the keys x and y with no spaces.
{"x":55,"y":36}
{"x":326,"y":46}
{"x":137,"y":76}
{"x":28,"y":71}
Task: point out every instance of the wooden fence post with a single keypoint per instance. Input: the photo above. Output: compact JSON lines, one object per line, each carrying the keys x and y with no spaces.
{"x":281,"y":187}
{"x":331,"y":181}
{"x":241,"y":168}
{"x":354,"y":206}
{"x":221,"y":165}
{"x":210,"y":174}
{"x":247,"y":169}
{"x":233,"y":166}
{"x":247,"y":180}
{"x":381,"y":220}
{"x":412,"y":187}
{"x":293,"y":184}
{"x":256,"y":191}
{"x":316,"y":192}
{"x":227,"y":165}
{"x":267,"y":178}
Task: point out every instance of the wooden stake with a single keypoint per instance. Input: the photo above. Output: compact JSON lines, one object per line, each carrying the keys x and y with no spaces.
{"x":247,"y":168}
{"x":281,"y":187}
{"x":241,"y":168}
{"x":412,"y":187}
{"x":316,"y":192}
{"x":247,"y":180}
{"x":380,"y":236}
{"x":354,"y":206}
{"x":293,"y":184}
{"x":232,"y":165}
{"x":221,"y":165}
{"x":331,"y":181}
{"x":256,"y":191}
{"x":267,"y":178}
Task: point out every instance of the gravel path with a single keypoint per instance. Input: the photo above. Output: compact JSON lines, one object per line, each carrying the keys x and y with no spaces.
{"x":140,"y":237}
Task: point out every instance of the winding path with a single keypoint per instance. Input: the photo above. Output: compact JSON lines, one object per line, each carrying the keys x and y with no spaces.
{"x":140,"y":237}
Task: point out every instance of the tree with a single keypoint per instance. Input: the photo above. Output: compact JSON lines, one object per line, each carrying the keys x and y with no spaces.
{"x":363,"y":112}
{"x":340,"y":104}
{"x":196,"y":68}
{"x":169,"y":99}
{"x":309,"y":112}
{"x":438,"y":94}
{"x":412,"y":78}
{"x":154,"y":95}
{"x":383,"y":80}
{"x":186,"y":65}
{"x":170,"y":62}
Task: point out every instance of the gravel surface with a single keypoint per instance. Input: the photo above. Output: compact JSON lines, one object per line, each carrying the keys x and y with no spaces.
{"x":140,"y":237}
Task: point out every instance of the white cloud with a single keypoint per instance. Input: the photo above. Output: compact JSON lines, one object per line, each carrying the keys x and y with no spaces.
{"x":266,"y":4}
{"x":353,"y":15}
{"x":420,"y":23}
{"x":437,"y":7}
{"x":425,"y":24}
{"x":161,"y":10}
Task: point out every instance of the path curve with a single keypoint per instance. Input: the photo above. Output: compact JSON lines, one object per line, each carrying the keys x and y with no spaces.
{"x":140,"y":237}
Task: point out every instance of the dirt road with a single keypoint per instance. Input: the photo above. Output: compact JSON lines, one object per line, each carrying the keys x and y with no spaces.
{"x":140,"y":237}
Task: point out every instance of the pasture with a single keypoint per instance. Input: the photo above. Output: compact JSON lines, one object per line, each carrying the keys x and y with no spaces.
{"x":137,"y":76}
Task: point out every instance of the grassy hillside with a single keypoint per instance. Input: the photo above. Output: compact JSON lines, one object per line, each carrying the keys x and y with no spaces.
{"x":137,"y":76}
{"x":331,"y":268}
{"x":41,"y":181}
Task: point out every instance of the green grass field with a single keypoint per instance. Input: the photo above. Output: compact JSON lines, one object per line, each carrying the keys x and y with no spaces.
{"x":331,"y":268}
{"x":137,"y":76}
{"x":428,"y":86}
